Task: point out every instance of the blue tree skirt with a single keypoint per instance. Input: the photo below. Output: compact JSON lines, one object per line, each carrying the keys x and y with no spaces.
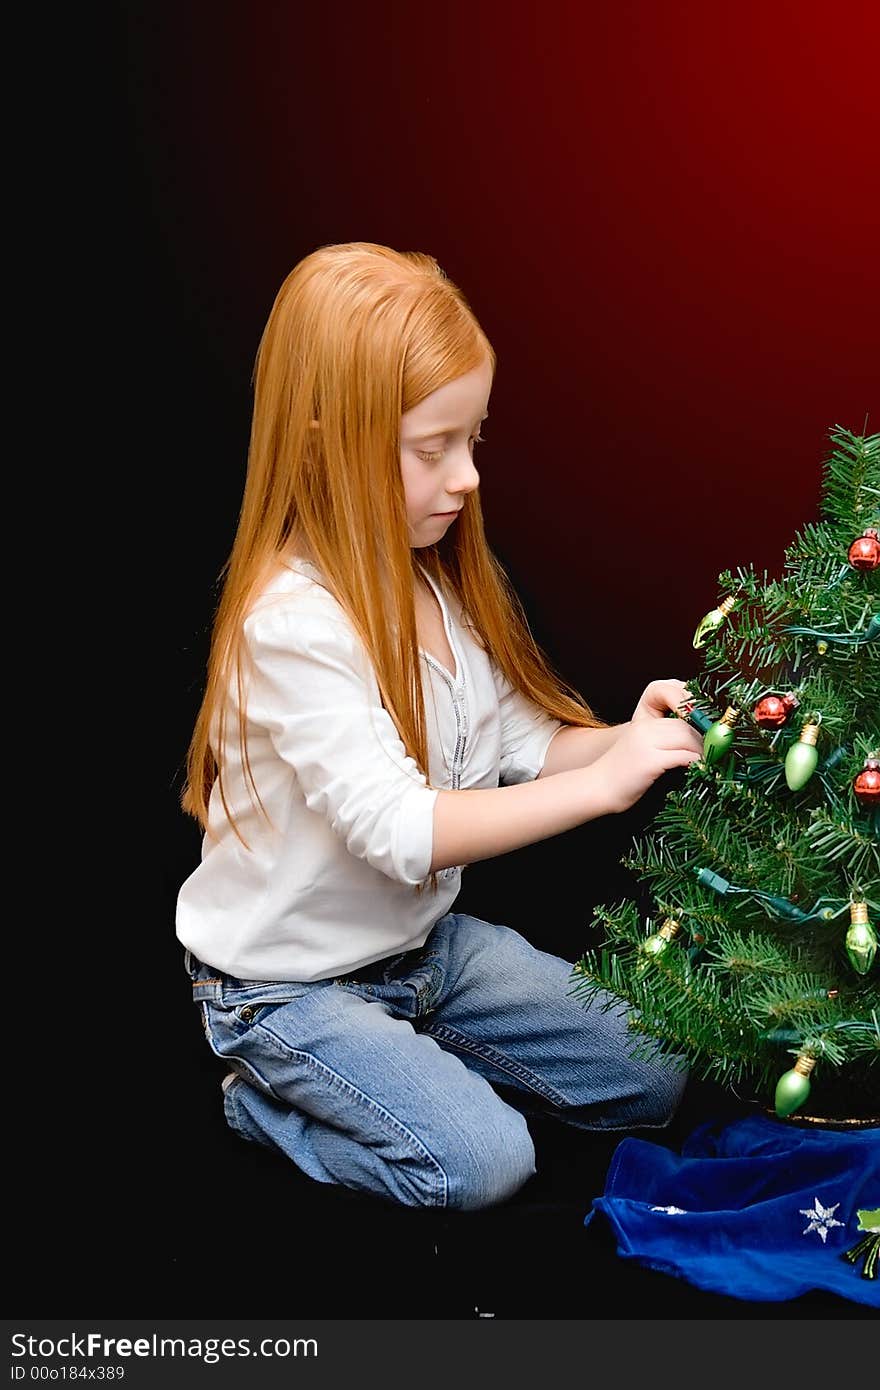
{"x":759,"y":1210}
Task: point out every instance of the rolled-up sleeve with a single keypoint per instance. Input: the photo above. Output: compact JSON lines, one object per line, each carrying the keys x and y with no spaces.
{"x":526,"y":731}
{"x":312,"y":688}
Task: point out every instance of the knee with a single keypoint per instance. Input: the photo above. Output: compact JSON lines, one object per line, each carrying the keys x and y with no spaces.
{"x":491,"y":1164}
{"x":661,"y":1095}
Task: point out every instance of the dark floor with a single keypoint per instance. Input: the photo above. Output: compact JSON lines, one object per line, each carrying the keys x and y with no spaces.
{"x":128,"y":1196}
{"x":199,"y":1223}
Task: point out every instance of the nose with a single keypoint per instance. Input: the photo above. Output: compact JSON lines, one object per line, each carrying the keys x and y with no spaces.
{"x":465,"y":478}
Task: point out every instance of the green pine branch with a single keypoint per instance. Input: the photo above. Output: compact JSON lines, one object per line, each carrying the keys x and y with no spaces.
{"x":759,"y":970}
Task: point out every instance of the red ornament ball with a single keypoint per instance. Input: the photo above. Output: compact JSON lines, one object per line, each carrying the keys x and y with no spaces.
{"x":864,"y":553}
{"x":867,"y":785}
{"x":773,"y":710}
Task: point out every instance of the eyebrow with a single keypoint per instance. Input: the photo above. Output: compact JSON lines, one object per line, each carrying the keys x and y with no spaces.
{"x":441,"y":433}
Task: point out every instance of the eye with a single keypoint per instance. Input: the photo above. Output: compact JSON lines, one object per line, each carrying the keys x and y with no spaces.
{"x":432,"y":458}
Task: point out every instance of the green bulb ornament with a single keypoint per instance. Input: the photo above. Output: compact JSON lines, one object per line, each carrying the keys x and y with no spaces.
{"x":658,"y":943}
{"x":712,"y":621}
{"x":861,"y":939}
{"x":793,"y":1086}
{"x":802,"y":757}
{"x":718,"y":739}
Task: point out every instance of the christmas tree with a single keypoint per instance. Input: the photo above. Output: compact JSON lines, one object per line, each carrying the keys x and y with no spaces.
{"x":756,"y":962}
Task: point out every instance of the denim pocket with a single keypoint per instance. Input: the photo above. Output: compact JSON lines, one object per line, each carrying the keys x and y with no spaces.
{"x":408,"y":992}
{"x":249,"y":1000}
{"x":249,"y":1013}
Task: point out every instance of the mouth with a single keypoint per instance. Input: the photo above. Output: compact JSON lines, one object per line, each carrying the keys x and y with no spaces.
{"x":452,"y":513}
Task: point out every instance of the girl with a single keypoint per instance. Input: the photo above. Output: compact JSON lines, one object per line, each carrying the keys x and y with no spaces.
{"x":377,"y":716}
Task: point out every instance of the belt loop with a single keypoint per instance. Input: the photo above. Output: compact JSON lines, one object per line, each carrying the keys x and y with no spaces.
{"x":207,"y":989}
{"x":207,"y":982}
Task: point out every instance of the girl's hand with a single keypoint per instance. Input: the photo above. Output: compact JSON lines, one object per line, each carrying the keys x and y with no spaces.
{"x":646,"y":747}
{"x":661,"y":696}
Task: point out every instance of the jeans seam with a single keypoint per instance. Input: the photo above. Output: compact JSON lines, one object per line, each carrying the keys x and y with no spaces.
{"x":441,"y":1032}
{"x":354,"y":1092}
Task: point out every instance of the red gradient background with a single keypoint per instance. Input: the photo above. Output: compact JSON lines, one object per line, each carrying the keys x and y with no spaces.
{"x":666,"y":217}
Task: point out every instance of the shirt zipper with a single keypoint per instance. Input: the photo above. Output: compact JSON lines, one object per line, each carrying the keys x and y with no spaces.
{"x":458,"y":692}
{"x":459,"y":705}
{"x":461,"y":727}
{"x":461,"y":719}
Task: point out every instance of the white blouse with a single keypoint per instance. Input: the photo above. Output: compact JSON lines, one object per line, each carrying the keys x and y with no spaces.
{"x":330,"y":885}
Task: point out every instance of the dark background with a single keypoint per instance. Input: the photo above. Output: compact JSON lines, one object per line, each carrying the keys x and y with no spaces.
{"x":665,"y":217}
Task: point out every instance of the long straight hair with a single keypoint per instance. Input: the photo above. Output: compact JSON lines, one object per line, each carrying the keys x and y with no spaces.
{"x":358,"y":335}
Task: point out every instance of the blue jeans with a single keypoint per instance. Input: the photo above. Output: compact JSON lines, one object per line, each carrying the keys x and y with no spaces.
{"x":389,"y":1080}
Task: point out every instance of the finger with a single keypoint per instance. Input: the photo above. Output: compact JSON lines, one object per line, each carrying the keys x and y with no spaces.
{"x":673,"y":688}
{"x":684,"y":697}
{"x":677,"y":733}
{"x":686,"y":759}
{"x":673,"y":695}
{"x":669,"y":691}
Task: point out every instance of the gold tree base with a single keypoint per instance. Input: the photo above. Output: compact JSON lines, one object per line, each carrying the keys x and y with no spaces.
{"x":824,"y":1121}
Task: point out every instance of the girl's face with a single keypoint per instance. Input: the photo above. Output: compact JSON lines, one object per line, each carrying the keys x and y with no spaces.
{"x":437,"y":440}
